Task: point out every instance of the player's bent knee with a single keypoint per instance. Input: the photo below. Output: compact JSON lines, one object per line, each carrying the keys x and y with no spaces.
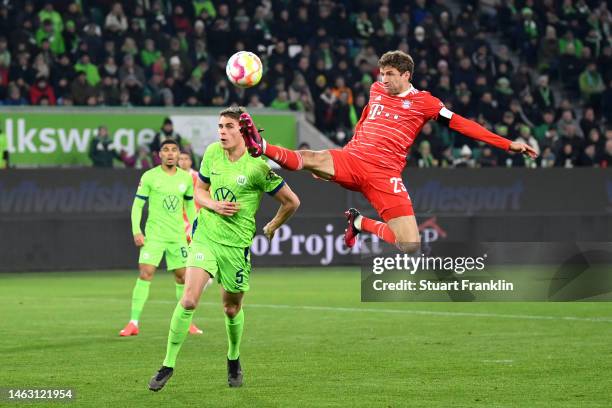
{"x":189,"y":303}
{"x":146,"y":275}
{"x":231,"y":310}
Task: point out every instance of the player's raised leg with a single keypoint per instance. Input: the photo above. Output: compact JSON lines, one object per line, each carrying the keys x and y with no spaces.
{"x":319,"y":162}
{"x":179,"y":277}
{"x":234,"y":326}
{"x":388,"y":195}
{"x":195,"y":281}
{"x":402,"y":232}
{"x":140,"y":294}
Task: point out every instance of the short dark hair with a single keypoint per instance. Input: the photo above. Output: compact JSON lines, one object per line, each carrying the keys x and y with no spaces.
{"x":233,"y":112}
{"x":168,"y":141}
{"x":398,"y":60}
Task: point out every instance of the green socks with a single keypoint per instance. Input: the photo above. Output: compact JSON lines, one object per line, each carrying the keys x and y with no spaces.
{"x":139,"y":298}
{"x":180,"y":288}
{"x":179,"y":327}
{"x":234,"y":327}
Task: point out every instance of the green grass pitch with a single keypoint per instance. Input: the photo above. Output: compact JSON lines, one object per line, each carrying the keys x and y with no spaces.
{"x":308,"y":342}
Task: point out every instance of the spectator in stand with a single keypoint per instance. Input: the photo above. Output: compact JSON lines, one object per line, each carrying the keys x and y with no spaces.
{"x":487,"y":158}
{"x":158,"y":43}
{"x":547,"y":159}
{"x":591,"y":84}
{"x":606,"y":160}
{"x":90,"y":70}
{"x":465,"y":159}
{"x":525,"y":136}
{"x":116,"y":22}
{"x":425,"y":157}
{"x":40,"y":91}
{"x":543,"y":95}
{"x":588,"y":157}
{"x":81,"y":90}
{"x":588,"y":121}
{"x":567,"y":119}
{"x":545,"y":131}
{"x":14,"y":97}
{"x":55,"y":39}
{"x":101,"y":151}
{"x":566,"y":156}
{"x":548,"y":54}
{"x":140,"y":160}
{"x":166,"y":132}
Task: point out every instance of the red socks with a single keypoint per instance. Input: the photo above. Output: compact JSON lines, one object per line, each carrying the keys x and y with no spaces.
{"x":380,"y":229}
{"x":286,"y":158}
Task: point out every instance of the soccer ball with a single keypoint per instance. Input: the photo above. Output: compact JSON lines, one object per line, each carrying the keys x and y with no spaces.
{"x":244,"y":69}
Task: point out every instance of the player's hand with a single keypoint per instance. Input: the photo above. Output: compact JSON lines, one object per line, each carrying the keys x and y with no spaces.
{"x":524,"y":148}
{"x":226,"y":208}
{"x":269,"y":230}
{"x":139,"y":240}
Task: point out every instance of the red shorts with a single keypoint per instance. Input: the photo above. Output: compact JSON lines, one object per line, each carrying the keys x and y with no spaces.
{"x":384,"y":189}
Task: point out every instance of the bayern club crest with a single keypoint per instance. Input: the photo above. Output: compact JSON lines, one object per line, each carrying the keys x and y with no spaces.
{"x":406,"y":104}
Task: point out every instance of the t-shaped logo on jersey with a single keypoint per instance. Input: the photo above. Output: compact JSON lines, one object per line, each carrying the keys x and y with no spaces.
{"x":376,"y":110}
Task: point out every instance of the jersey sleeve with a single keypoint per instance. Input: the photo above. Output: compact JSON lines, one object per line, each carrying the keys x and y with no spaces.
{"x":142,"y":195}
{"x":432,"y":107}
{"x":269,"y":181}
{"x":189,"y":192}
{"x":144,"y":187}
{"x":204,"y":172}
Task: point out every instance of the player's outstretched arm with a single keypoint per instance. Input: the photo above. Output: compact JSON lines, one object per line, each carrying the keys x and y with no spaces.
{"x":289,"y":203}
{"x":476,"y":131}
{"x":203,"y":198}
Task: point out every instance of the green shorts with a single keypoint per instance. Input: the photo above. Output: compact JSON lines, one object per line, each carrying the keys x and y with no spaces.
{"x":231,"y":266}
{"x":152,"y":251}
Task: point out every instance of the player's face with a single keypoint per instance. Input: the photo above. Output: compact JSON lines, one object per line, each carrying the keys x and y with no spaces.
{"x":394,"y":82}
{"x":185,"y":161}
{"x":169,"y":155}
{"x":229,"y":133}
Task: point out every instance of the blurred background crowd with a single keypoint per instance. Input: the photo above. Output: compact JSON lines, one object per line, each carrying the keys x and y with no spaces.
{"x":539,"y":71}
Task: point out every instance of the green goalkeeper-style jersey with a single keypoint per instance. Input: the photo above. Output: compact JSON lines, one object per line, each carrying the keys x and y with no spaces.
{"x":242,"y":181}
{"x":166,"y":194}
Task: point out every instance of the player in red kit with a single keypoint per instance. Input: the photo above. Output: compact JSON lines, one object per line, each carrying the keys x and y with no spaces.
{"x":372,"y":162}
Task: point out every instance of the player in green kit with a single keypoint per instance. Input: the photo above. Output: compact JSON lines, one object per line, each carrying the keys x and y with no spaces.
{"x":229,"y":189}
{"x":168,"y":189}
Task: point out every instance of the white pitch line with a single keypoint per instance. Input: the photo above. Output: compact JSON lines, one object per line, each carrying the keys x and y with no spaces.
{"x":374,"y":310}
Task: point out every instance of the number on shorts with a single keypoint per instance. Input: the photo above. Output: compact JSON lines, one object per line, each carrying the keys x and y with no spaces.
{"x":239,"y":276}
{"x":398,"y":184}
{"x":184,"y":252}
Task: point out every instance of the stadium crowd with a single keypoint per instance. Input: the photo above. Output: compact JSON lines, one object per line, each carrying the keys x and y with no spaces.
{"x":546,"y":77}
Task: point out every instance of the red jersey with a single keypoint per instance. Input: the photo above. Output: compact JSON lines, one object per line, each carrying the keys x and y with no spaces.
{"x":389,"y":124}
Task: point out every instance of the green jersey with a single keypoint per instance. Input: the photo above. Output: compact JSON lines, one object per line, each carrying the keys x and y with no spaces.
{"x":167,"y":195}
{"x":242,"y":181}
